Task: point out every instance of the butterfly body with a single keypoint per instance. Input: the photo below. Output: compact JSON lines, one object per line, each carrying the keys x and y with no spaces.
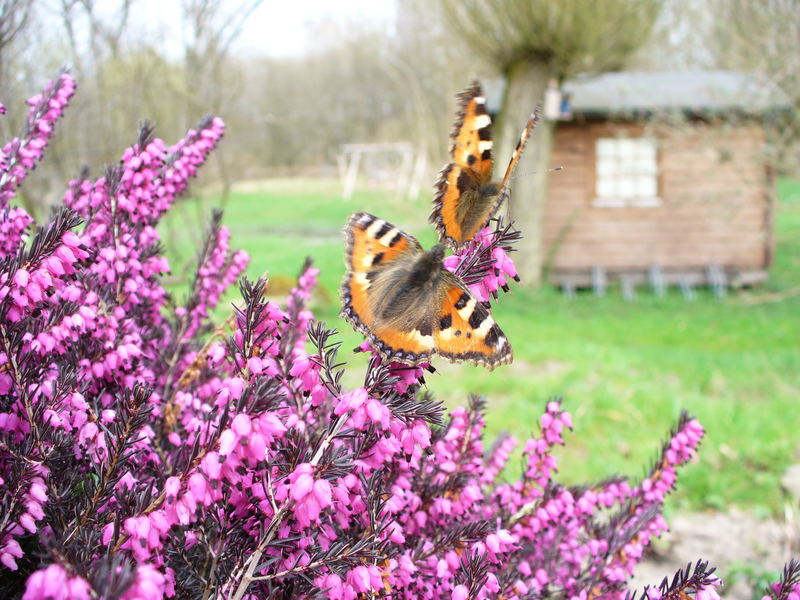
{"x":408,"y":305}
{"x":410,"y":280}
{"x":474,"y":204}
{"x":466,"y":196}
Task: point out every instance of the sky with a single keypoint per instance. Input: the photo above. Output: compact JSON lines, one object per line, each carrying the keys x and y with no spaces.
{"x":281,"y":28}
{"x":278,"y":28}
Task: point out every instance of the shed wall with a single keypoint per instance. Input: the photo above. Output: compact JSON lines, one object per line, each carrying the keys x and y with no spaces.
{"x":714,"y":209}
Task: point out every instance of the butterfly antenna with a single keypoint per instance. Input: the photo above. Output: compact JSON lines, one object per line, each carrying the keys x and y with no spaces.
{"x":550,"y":170}
{"x":507,"y":198}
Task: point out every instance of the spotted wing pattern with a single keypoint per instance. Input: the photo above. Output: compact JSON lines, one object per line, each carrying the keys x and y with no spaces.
{"x":379,"y":257}
{"x":405,"y":321}
{"x":471,"y":166}
{"x":466,"y":197}
{"x":466,"y":331}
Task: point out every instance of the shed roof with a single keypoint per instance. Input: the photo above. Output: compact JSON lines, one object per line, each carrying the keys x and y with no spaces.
{"x":694,"y":92}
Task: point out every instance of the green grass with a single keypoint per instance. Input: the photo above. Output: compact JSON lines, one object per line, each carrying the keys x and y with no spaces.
{"x":625,"y":369}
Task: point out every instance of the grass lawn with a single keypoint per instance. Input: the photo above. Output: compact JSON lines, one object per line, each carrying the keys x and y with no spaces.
{"x":625,"y":369}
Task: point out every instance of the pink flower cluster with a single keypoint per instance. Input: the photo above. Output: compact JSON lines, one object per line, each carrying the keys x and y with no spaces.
{"x":91,"y":303}
{"x":56,"y":584}
{"x":484,"y":263}
{"x":217,"y":270}
{"x":788,"y":587}
{"x":34,"y":281}
{"x":142,"y":458}
{"x":19,"y":156}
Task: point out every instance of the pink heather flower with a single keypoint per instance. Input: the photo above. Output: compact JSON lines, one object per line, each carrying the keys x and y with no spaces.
{"x":10,"y":550}
{"x":709,"y":592}
{"x":260,"y":431}
{"x":241,"y":425}
{"x":53,"y":583}
{"x":303,"y":482}
{"x":460,"y":592}
{"x":311,"y":496}
{"x":21,"y":154}
{"x":351,"y":401}
{"x":365,"y":579}
{"x":150,"y":584}
{"x":451,"y":262}
{"x":503,"y":263}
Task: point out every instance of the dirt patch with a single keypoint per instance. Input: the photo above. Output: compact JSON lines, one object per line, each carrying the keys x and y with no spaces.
{"x":727,"y":541}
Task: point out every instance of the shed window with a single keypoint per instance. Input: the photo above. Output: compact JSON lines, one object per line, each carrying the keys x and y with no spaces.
{"x":626,"y":172}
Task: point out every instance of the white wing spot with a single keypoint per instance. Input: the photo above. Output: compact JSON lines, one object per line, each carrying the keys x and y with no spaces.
{"x":361,"y":278}
{"x":426,"y":341}
{"x":447,"y":334}
{"x":373,"y":229}
{"x":482,"y":121}
{"x":388,"y":237}
{"x":465,"y":312}
{"x":484,"y":327}
{"x":484,"y":145}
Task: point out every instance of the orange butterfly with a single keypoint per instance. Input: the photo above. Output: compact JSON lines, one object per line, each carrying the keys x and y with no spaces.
{"x":466,"y":196}
{"x":408,"y":305}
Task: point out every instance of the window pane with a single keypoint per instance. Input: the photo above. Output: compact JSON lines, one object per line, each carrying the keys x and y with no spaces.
{"x":626,"y":170}
{"x":605,"y":187}
{"x":606,"y":167}
{"x":629,"y":166}
{"x":645,"y":167}
{"x":605,"y":148}
{"x":647,"y":186}
{"x":627,"y":149}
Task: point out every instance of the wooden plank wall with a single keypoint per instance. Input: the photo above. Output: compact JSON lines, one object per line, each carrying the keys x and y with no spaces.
{"x":714,"y":206}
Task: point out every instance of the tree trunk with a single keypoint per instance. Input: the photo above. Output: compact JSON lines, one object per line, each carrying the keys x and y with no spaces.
{"x":526,"y":84}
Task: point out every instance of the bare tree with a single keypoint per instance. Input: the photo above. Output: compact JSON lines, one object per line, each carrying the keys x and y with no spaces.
{"x":532,"y":42}
{"x":763,"y":37}
{"x":14,"y":15}
{"x":14,"y":18}
{"x":427,"y":67}
{"x":679,"y":39}
{"x":212,"y":26}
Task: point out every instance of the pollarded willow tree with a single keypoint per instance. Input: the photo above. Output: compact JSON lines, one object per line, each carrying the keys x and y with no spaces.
{"x":531,"y":42}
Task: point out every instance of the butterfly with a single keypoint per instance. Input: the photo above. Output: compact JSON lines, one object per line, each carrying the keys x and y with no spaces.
{"x":466,"y":197}
{"x":408,"y":305}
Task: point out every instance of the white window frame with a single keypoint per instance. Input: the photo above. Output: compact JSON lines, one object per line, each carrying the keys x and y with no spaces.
{"x":626,"y":172}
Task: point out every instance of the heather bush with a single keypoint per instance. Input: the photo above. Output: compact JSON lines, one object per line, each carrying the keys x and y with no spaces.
{"x":146,"y":452}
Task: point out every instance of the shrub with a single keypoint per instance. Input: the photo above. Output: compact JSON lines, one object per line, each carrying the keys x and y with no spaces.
{"x":146,"y":452}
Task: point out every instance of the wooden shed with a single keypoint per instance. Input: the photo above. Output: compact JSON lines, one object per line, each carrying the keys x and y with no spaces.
{"x":663,"y":171}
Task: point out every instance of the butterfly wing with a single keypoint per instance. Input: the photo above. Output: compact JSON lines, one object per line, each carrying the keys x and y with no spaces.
{"x":404,"y":322}
{"x":471,"y":139}
{"x":372,"y":243}
{"x":464,"y":330}
{"x":408,"y":338}
{"x":459,"y":184}
{"x":379,"y":258}
{"x":505,"y":191}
